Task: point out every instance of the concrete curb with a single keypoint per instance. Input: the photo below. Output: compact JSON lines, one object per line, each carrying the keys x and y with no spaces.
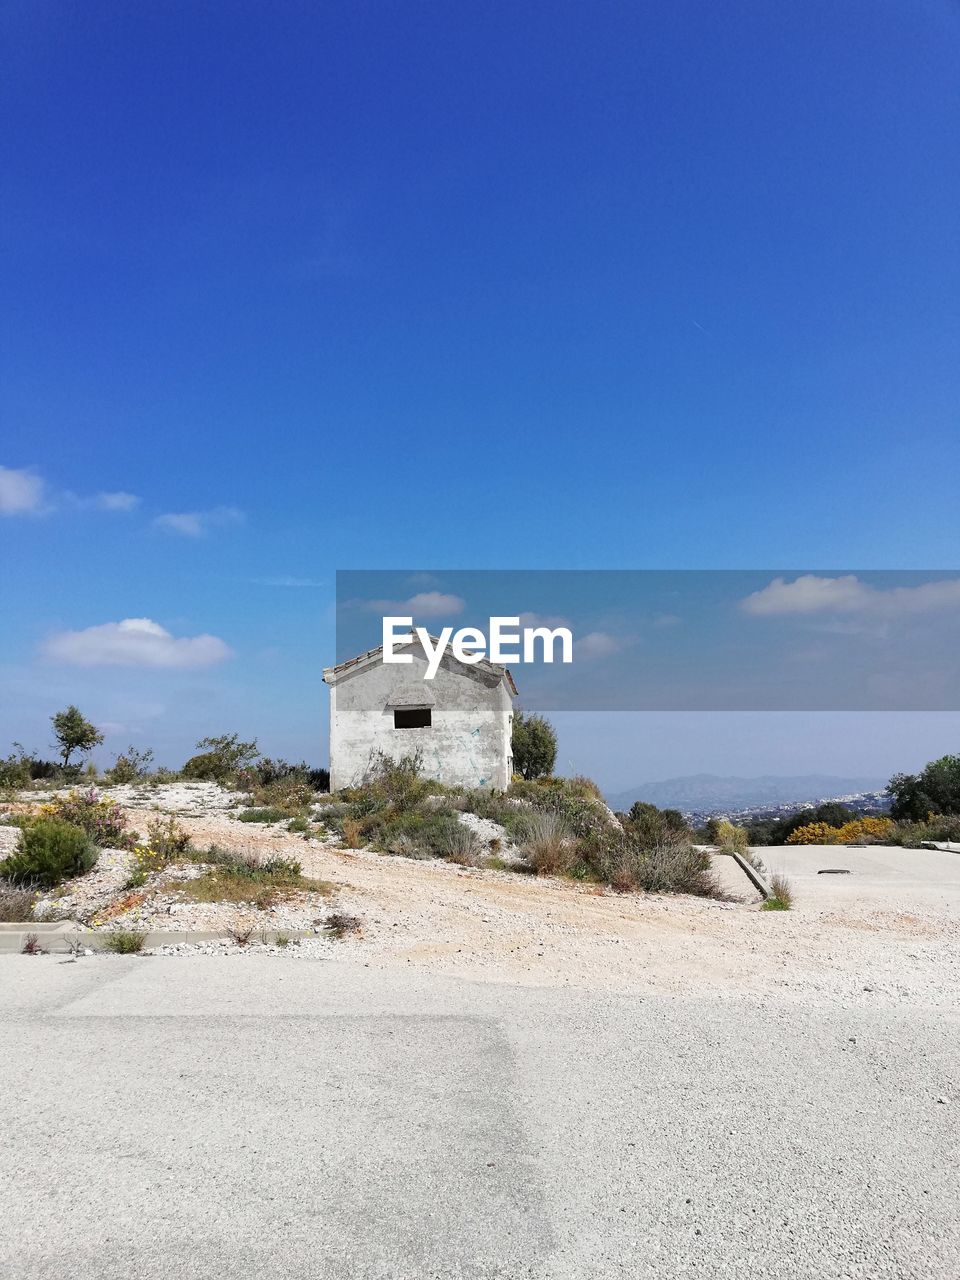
{"x":54,"y":937}
{"x":752,"y":874}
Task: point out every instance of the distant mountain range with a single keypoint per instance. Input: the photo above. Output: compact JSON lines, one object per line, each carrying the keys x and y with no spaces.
{"x":707,"y":792}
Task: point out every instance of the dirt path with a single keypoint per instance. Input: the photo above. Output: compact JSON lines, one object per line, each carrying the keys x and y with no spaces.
{"x":499,"y":926}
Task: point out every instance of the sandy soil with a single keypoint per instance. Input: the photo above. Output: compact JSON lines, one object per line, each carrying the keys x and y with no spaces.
{"x":501,"y":926}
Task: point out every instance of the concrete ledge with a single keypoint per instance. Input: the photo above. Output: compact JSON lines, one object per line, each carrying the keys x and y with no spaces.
{"x":752,"y":874}
{"x":54,"y":937}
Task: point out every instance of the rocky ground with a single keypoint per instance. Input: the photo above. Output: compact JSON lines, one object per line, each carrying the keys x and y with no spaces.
{"x":506,"y":926}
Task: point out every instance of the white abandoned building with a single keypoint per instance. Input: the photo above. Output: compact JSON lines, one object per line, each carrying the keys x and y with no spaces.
{"x":460,"y":722}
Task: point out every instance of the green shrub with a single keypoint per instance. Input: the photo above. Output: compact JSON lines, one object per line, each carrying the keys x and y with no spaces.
{"x":397,"y":784}
{"x":649,"y":825}
{"x":267,"y":773}
{"x":267,"y":870}
{"x":161,"y":776}
{"x":48,"y":853}
{"x":205,"y":767}
{"x":912,"y":835}
{"x":19,"y":769}
{"x":574,"y":799}
{"x":332,"y":815}
{"x":431,"y":833}
{"x":292,"y":794}
{"x":672,"y":866}
{"x":262,"y":815}
{"x":130,"y":767}
{"x":14,"y":770}
{"x":299,"y":825}
{"x":124,"y":942}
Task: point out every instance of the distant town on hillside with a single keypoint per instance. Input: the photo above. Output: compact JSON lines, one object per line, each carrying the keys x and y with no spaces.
{"x":705,"y":795}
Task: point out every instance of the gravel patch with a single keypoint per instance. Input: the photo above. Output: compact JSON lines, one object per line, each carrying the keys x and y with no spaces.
{"x":491,"y":833}
{"x":9,"y":839}
{"x":81,"y":899}
{"x":169,"y":797}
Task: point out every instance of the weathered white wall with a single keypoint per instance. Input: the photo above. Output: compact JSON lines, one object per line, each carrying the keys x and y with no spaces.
{"x":468,"y":743}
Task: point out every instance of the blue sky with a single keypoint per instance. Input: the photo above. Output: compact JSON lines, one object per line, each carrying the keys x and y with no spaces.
{"x":511,"y":285}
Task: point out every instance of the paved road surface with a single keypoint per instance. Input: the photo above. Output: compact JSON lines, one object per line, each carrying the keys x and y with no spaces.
{"x":884,"y":876}
{"x":259,"y":1117}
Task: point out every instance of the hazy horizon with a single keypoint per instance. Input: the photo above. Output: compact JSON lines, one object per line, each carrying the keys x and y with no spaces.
{"x":620,"y":750}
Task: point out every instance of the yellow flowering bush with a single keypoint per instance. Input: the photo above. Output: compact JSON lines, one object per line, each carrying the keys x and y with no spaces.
{"x":814,"y":833}
{"x":865,"y":829}
{"x":854,"y":832}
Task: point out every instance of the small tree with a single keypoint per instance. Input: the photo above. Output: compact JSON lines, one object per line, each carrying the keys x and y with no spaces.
{"x":534,"y":746}
{"x":221,"y":757}
{"x":652,"y":826}
{"x":131,"y":765}
{"x":74,"y":733}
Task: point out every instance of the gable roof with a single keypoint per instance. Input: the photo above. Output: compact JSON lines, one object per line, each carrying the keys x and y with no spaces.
{"x":331,"y":674}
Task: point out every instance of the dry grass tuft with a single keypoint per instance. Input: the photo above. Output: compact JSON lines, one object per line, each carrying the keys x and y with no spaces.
{"x":16,"y":904}
{"x":241,"y":931}
{"x":340,"y":924}
{"x":781,"y":894}
{"x":549,"y":847}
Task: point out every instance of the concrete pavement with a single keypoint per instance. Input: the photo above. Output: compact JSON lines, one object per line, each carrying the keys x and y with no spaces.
{"x":259,"y":1116}
{"x":885,"y":876}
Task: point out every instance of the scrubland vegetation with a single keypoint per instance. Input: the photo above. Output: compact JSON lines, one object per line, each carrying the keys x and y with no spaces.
{"x":547,"y":826}
{"x":224,"y":759}
{"x":541,"y":825}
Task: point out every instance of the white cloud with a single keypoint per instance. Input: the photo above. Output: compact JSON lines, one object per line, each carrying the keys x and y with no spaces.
{"x":194,"y":524}
{"x":134,"y":642}
{"x":24,"y":492}
{"x":116,"y":501}
{"x":812,"y":594}
{"x":597,"y":644}
{"x":21,"y":492}
{"x":119,"y":501}
{"x":426,"y":604}
{"x":287,"y":581}
{"x":543,"y":620}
